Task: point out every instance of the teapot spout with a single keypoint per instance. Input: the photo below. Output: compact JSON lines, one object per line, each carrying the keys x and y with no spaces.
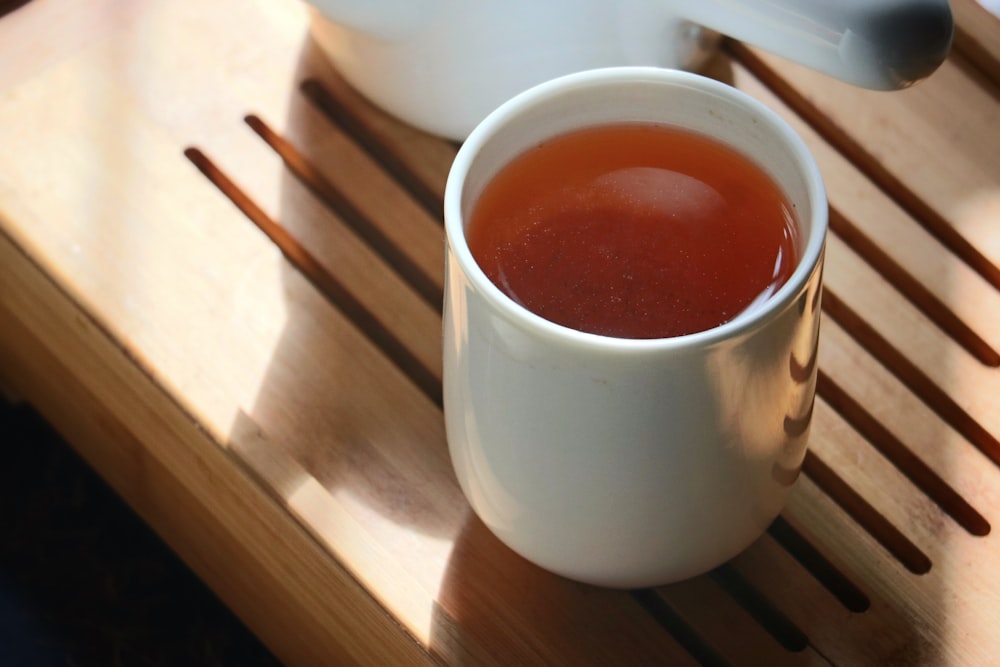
{"x":879,"y":44}
{"x":900,"y":45}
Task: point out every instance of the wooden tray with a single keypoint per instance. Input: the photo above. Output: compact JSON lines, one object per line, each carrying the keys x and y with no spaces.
{"x":221,"y":277}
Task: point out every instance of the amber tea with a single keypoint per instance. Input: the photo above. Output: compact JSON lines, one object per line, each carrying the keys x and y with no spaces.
{"x":634,"y":231}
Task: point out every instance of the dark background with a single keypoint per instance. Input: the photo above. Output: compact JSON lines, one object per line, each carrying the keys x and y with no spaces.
{"x":83,"y":581}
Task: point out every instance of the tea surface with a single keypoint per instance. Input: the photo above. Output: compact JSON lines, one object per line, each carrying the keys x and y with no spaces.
{"x":634,"y":231}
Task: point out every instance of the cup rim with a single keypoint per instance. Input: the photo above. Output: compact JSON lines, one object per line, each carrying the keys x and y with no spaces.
{"x":539,"y":94}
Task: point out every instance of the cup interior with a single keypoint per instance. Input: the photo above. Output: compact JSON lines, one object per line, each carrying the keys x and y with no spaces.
{"x":648,"y":95}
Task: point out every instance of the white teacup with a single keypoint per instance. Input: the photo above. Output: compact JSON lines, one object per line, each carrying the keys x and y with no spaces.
{"x":442,"y":65}
{"x":627,"y":462}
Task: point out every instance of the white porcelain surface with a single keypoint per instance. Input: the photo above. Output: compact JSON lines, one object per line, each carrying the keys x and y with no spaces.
{"x":442,"y":65}
{"x":629,"y":462}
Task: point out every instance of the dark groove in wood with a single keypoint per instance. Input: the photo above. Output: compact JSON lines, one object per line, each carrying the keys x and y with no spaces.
{"x":338,"y":202}
{"x":907,"y":372}
{"x":826,"y":573}
{"x":672,"y":622}
{"x":890,"y":537}
{"x":913,"y":290}
{"x":359,"y":132}
{"x":776,"y":623}
{"x":918,"y":472}
{"x":976,"y":61}
{"x":922,"y":212}
{"x":324,"y":281}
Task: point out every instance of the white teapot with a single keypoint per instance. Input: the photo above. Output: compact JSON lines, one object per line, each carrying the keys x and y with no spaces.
{"x":443,"y":65}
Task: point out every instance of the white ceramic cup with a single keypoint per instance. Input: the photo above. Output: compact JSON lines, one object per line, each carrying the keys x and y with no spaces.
{"x":627,"y":462}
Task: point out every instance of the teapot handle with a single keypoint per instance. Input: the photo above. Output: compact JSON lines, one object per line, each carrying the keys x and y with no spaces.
{"x":880,"y":44}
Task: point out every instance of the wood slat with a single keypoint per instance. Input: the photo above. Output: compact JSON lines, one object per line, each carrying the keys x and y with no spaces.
{"x":182,"y":483}
{"x":895,"y":497}
{"x":880,"y":635}
{"x":976,"y":36}
{"x":730,"y":628}
{"x":973,"y":300}
{"x":406,"y":236}
{"x":934,"y":354}
{"x":66,"y":27}
{"x":925,"y":619}
{"x":937,"y":444}
{"x":902,"y":139}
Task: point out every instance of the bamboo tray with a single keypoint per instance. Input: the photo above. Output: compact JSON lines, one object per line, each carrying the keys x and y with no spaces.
{"x":221,"y":276}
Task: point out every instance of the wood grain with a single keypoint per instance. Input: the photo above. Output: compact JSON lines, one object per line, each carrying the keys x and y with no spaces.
{"x":975,"y":37}
{"x":194,"y":494}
